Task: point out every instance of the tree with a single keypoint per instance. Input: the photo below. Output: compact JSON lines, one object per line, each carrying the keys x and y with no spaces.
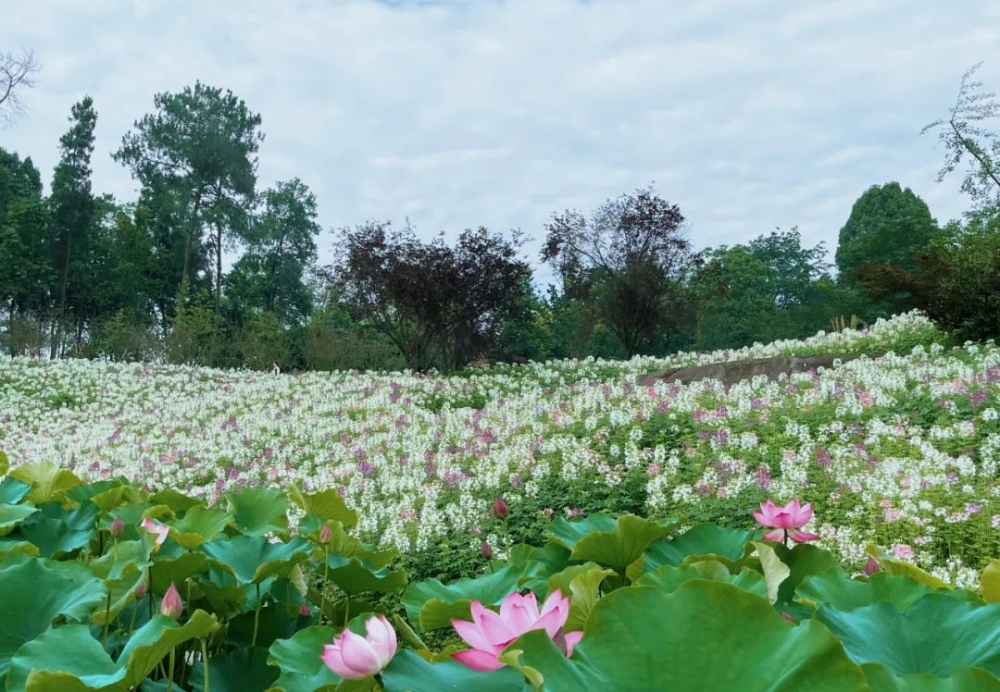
{"x":72,"y":213}
{"x":963,"y":134}
{"x":281,"y":247}
{"x":201,"y":147}
{"x":887,"y":225}
{"x":24,"y":258}
{"x":438,"y":305}
{"x":16,"y":73}
{"x":633,"y":254}
{"x":771,"y":288}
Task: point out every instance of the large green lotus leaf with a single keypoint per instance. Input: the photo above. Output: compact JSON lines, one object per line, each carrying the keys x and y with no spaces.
{"x":431,"y":604}
{"x":87,"y":491}
{"x":881,"y":679}
{"x":803,"y":560}
{"x":834,"y":588}
{"x":223,"y":591}
{"x":327,"y":505}
{"x":274,"y":622}
{"x":887,"y":563}
{"x":989,"y":582}
{"x":568,"y":533}
{"x":934,"y":635}
{"x":538,"y":564}
{"x":409,"y":671}
{"x":55,"y":538}
{"x":258,"y":511}
{"x":14,"y":546}
{"x":49,"y":482}
{"x":357,"y":575}
{"x":33,"y":596}
{"x":703,"y":541}
{"x":108,"y":498}
{"x":65,"y":659}
{"x":243,"y":670}
{"x":175,"y":570}
{"x":775,"y":571}
{"x":621,"y":547}
{"x":341,"y":542}
{"x":118,"y":557}
{"x":176,"y":500}
{"x":703,"y":636}
{"x":669,"y":578}
{"x":122,"y":591}
{"x":199,"y":525}
{"x":12,"y":515}
{"x":298,"y":658}
{"x":153,"y":641}
{"x":12,"y":490}
{"x":83,"y":517}
{"x":253,"y":559}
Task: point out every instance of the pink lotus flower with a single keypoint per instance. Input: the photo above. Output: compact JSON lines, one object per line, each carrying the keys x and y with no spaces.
{"x":171,"y":605}
{"x":160,"y":530}
{"x":490,"y":633}
{"x":354,"y":657}
{"x":786,"y":521}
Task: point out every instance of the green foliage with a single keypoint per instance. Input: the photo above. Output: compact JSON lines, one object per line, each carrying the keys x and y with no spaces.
{"x":654,"y":605}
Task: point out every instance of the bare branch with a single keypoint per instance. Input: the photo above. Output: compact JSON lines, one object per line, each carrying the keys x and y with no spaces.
{"x":16,"y":72}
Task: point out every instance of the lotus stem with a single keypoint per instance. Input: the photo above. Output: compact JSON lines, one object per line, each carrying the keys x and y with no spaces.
{"x":170,"y":675}
{"x":107,"y":621}
{"x":256,"y":618}
{"x":204,"y":663}
{"x":326,"y":576}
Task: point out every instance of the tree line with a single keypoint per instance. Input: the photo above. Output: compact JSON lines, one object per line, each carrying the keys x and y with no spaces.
{"x":86,"y":275}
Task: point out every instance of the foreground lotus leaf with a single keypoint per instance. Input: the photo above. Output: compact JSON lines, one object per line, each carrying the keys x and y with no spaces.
{"x":702,"y":541}
{"x":601,"y":539}
{"x":704,"y":636}
{"x":34,"y":595}
{"x":934,"y":635}
{"x":881,"y":679}
{"x":70,"y":658}
{"x":252,"y":559}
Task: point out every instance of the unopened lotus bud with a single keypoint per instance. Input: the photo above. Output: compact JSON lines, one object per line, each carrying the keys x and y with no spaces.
{"x":304,"y":611}
{"x":325,"y":534}
{"x":500,"y":510}
{"x":117,"y":526}
{"x":171,"y":605}
{"x":487,"y":551}
{"x":140,"y":591}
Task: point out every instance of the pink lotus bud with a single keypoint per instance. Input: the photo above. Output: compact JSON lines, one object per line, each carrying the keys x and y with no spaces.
{"x":500,"y":510}
{"x":871,"y":567}
{"x":171,"y":605}
{"x":487,"y":550}
{"x":117,"y":526}
{"x":325,"y":535}
{"x":140,"y":591}
{"x":305,"y":611}
{"x":354,"y":657}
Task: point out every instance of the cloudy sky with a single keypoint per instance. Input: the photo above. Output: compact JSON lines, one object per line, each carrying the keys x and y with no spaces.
{"x":459,"y":113}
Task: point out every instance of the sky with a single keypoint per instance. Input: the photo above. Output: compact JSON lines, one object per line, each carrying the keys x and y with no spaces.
{"x":461,"y":113}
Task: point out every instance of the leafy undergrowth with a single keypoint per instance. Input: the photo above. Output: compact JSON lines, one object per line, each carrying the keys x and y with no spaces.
{"x":110,"y":587}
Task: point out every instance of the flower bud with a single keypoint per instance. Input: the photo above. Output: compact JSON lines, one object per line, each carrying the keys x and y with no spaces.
{"x":487,"y":550}
{"x":140,"y":591}
{"x":500,"y":510}
{"x":305,"y":611}
{"x":117,"y":526}
{"x":325,"y":535}
{"x":171,"y":605}
{"x":871,"y":567}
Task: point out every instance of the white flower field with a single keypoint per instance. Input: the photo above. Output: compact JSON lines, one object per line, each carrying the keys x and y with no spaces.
{"x":898,"y":451}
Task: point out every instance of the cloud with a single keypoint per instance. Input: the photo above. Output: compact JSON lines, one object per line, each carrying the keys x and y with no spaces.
{"x":498,"y":113}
